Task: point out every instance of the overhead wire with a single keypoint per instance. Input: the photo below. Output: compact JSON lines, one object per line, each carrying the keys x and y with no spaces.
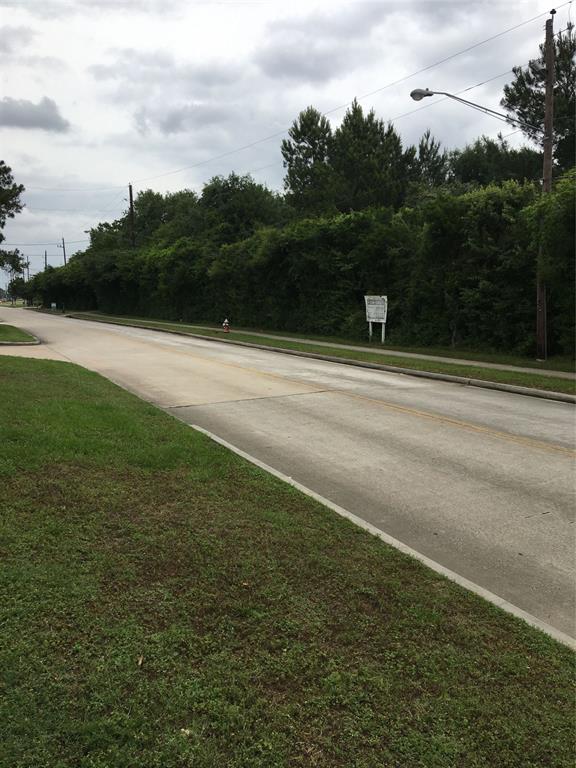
{"x":68,"y":242}
{"x":327,"y":112}
{"x":359,"y":98}
{"x":419,"y":109}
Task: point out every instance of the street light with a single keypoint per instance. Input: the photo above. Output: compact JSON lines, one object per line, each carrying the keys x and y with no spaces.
{"x":421,"y":93}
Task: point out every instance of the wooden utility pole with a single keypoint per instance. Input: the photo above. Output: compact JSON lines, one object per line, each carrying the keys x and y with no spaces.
{"x":131,"y":217}
{"x":541,"y":324}
{"x":45,"y":260}
{"x":64,"y":250}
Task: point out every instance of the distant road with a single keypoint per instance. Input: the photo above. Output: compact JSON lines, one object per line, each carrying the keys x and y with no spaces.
{"x":478,"y":480}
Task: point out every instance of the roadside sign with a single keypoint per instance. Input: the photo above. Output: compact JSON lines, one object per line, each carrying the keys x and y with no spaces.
{"x":53,"y":305}
{"x":376,"y":312}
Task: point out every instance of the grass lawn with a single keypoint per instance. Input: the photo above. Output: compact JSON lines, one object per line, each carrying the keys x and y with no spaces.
{"x":534,"y":380}
{"x":9,"y":333}
{"x":163,"y":604}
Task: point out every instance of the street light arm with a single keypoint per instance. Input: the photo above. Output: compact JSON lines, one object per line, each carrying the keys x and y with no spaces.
{"x":418,"y":94}
{"x":493,"y":112}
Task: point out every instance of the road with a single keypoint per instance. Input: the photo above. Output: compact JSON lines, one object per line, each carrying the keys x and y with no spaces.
{"x":478,"y":480}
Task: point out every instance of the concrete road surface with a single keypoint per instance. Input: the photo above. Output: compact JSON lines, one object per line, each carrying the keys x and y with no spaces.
{"x":478,"y":480}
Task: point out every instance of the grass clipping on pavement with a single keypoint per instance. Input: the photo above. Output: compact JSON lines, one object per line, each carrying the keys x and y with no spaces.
{"x":165,"y":603}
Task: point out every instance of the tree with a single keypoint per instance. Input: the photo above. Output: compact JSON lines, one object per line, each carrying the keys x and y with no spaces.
{"x":524,"y":97}
{"x":233,"y":207}
{"x":368,"y":161}
{"x":10,"y":205}
{"x":149,"y":213}
{"x":12,"y":262}
{"x":10,"y":192}
{"x":551,"y":221}
{"x":489,"y":161}
{"x":431,"y":162}
{"x":309,"y":179}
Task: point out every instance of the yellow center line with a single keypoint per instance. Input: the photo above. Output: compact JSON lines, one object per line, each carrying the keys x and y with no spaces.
{"x":527,"y":441}
{"x":409,"y":411}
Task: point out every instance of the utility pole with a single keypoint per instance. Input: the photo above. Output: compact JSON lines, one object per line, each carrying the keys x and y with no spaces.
{"x":27,"y":270}
{"x":131,"y":217}
{"x":63,"y":246}
{"x":541,"y":324}
{"x":45,"y":260}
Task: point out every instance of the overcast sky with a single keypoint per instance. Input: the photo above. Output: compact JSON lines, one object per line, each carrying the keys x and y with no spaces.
{"x":97,"y":93}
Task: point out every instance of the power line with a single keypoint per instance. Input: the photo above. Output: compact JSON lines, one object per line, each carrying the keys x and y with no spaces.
{"x":327,"y":112}
{"x":417,"y":109}
{"x":443,"y":61}
{"x":74,"y":189}
{"x":69,"y":210}
{"x":392,"y":119}
{"x":70,"y":242}
{"x":362,"y":96}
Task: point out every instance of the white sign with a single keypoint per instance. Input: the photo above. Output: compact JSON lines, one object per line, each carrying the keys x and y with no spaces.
{"x":376,"y":308}
{"x":376,"y":312}
{"x":53,"y":305}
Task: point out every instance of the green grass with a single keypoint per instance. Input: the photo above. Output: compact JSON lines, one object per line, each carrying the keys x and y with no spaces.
{"x":554,"y":363}
{"x":163,"y":603}
{"x":534,"y":380}
{"x":12,"y":334}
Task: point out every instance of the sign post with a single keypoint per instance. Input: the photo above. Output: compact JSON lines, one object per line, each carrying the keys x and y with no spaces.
{"x":376,"y":312}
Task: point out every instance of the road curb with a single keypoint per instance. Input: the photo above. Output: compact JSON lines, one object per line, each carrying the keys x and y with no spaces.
{"x":21,"y":343}
{"x":463,"y":380}
{"x":471,"y":586}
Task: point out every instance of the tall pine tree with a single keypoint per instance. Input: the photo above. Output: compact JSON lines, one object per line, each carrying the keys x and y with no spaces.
{"x":309,"y":179}
{"x":368,"y":160}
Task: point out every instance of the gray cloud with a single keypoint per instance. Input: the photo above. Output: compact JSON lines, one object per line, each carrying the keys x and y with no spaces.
{"x":21,"y":113}
{"x":14,"y":43}
{"x":57,"y":8}
{"x":322,"y":46}
{"x":12,"y":39}
{"x":181,"y":119}
{"x":158,"y":70}
{"x":171,"y":96}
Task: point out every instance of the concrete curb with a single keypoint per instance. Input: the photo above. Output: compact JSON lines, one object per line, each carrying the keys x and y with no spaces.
{"x":463,"y":380}
{"x":21,"y":343}
{"x":496,"y":600}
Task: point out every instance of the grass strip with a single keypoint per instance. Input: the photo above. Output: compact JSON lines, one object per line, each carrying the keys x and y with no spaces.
{"x":556,"y":362}
{"x":8,"y":333}
{"x":164,"y":603}
{"x":517,"y":378}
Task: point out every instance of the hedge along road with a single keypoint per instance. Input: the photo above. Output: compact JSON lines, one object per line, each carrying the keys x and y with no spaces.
{"x":479,"y":481}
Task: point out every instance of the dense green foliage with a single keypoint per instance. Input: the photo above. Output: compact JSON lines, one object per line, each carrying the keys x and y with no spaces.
{"x":458,"y":268}
{"x":453,"y":238}
{"x":487,"y":161}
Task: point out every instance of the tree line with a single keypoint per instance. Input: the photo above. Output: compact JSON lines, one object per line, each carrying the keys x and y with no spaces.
{"x":453,"y":238}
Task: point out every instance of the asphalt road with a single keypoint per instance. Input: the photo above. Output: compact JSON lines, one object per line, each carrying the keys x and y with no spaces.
{"x":478,"y":480}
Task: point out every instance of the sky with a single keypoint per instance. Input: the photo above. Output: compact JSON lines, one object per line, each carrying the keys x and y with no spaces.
{"x":166,"y":94}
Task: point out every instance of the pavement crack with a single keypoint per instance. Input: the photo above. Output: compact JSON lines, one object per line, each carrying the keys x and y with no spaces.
{"x":245,"y":400}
